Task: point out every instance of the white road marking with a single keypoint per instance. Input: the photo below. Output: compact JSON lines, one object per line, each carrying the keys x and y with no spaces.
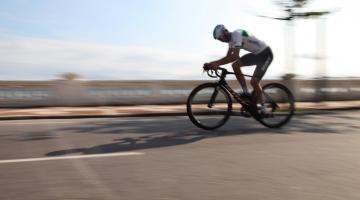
{"x":71,"y":157}
{"x":71,"y":121}
{"x":37,"y":123}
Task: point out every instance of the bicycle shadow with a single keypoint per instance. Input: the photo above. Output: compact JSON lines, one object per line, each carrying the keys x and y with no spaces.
{"x":137,"y":134}
{"x":178,"y":131}
{"x":131,"y":144}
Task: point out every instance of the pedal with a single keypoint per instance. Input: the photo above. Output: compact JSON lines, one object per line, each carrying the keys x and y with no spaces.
{"x":245,"y":113}
{"x":266,"y":115}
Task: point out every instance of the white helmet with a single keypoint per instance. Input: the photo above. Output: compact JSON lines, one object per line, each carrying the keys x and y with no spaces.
{"x":219,"y":31}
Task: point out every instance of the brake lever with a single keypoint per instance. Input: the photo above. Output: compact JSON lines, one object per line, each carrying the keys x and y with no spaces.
{"x":206,"y":67}
{"x":211,"y":72}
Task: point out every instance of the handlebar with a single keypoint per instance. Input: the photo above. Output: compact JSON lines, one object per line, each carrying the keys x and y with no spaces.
{"x":215,"y":73}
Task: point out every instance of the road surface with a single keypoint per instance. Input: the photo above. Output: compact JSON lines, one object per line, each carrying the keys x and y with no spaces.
{"x":166,"y":158}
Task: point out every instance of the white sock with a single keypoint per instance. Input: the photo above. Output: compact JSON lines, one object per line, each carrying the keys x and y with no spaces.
{"x":263,"y":108}
{"x":245,"y":91}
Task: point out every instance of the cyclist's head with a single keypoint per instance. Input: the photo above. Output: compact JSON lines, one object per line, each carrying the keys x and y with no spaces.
{"x":220,"y":33}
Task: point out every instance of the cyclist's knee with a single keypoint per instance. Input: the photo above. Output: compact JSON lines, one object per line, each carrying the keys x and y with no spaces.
{"x":255,"y":82}
{"x":236,"y":64}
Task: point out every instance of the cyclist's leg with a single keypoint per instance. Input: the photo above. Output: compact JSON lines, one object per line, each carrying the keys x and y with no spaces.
{"x":255,"y":83}
{"x":239,"y":75}
{"x":246,"y":60}
{"x":259,"y":72}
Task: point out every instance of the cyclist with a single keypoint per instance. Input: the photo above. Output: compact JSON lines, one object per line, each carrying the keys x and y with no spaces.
{"x":260,"y":55}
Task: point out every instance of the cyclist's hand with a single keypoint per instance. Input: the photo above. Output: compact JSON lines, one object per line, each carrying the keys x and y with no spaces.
{"x":206,"y":67}
{"x":211,"y":66}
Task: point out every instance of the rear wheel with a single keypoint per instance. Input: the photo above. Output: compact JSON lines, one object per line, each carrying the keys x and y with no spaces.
{"x":279,"y":103}
{"x":209,"y":106}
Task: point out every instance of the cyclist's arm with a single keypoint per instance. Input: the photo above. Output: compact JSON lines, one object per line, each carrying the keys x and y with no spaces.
{"x":231,"y":56}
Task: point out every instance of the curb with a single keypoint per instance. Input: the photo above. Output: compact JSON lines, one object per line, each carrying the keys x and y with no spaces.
{"x":158,"y":114}
{"x":29,"y":117}
{"x":325,"y":110}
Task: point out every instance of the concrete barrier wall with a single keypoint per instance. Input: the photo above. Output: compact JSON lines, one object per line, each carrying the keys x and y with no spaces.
{"x":97,"y":93}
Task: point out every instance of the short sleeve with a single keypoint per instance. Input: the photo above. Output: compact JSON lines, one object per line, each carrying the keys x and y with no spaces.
{"x":236,"y":40}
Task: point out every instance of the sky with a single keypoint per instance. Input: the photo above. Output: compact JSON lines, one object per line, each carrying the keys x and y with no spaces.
{"x":166,"y":40}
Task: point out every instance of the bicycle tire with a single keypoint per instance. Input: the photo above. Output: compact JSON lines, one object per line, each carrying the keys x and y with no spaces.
{"x":191,"y":110}
{"x":290,"y":110}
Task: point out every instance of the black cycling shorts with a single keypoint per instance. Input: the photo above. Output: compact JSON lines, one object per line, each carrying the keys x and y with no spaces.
{"x":262,"y":61}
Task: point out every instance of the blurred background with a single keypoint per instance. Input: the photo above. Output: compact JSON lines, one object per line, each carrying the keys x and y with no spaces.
{"x":90,"y":52}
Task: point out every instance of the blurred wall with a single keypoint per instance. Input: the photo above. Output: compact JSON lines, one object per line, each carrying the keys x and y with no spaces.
{"x":102,"y":93}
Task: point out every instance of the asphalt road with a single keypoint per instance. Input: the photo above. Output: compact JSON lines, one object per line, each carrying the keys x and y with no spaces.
{"x":166,"y":158}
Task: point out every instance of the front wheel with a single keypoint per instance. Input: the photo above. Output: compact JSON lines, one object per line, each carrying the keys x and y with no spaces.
{"x":209,"y":106}
{"x":280,"y":104}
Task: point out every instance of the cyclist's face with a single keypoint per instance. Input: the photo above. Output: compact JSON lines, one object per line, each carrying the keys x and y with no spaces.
{"x":222,"y":39}
{"x":225,"y":37}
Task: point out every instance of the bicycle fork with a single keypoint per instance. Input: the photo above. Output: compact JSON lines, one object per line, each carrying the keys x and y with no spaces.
{"x":213,"y":97}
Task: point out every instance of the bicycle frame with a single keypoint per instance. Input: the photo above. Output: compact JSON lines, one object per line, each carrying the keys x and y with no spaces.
{"x":222,"y":82}
{"x":249,"y":105}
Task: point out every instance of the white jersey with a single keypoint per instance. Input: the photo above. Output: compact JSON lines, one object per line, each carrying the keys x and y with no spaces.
{"x":242,"y":39}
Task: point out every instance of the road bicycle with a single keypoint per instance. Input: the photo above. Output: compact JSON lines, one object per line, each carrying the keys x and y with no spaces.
{"x":209,"y":105}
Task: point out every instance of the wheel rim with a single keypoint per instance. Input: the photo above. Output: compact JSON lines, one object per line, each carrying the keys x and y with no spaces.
{"x":279,"y":103}
{"x":209,"y":116}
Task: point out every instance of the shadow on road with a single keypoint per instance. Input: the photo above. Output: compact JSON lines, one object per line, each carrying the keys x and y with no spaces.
{"x":130,"y":144}
{"x":165,"y":132}
{"x":152,"y":134}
